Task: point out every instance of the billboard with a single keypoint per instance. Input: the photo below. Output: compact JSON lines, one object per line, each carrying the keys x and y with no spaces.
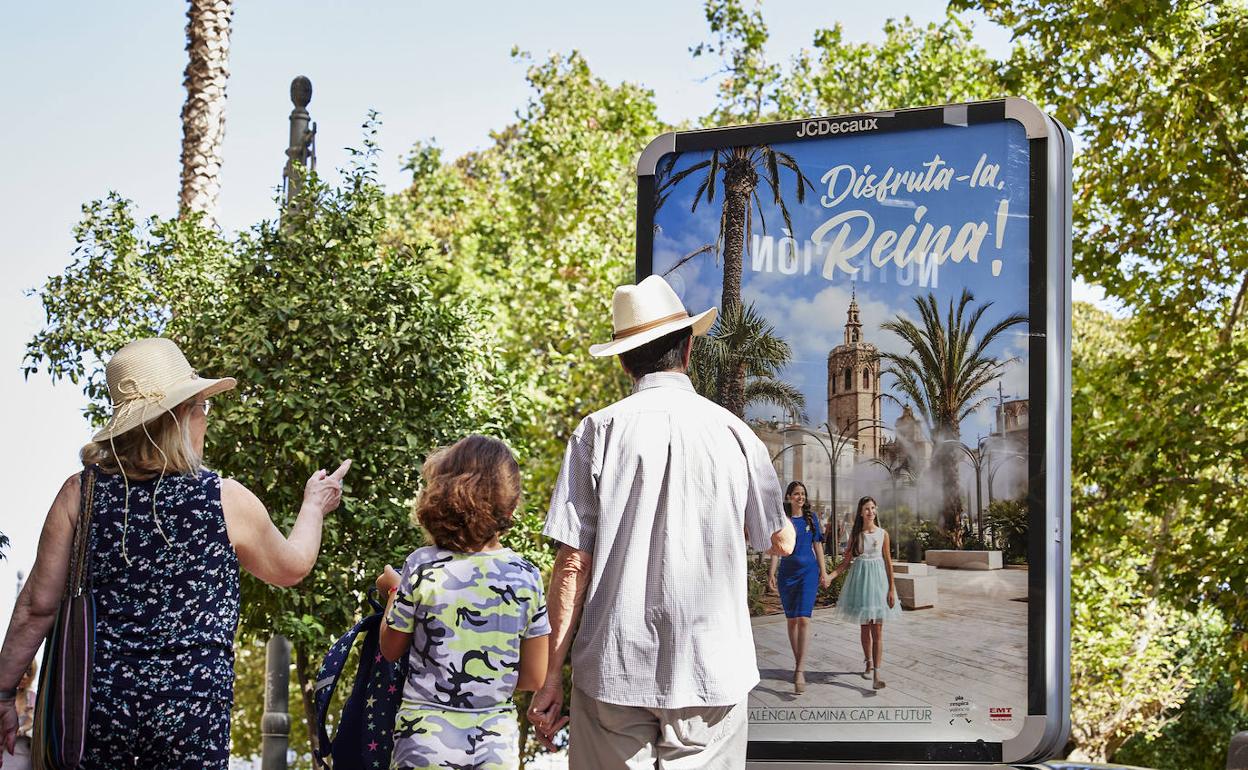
{"x":894,"y":314}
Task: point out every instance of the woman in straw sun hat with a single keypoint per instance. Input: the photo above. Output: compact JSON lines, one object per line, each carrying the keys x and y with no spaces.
{"x":166,"y":539}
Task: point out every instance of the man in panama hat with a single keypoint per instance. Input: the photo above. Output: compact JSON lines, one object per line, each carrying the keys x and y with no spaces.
{"x":650,"y":507}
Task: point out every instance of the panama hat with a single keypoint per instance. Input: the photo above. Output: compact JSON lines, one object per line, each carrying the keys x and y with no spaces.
{"x":645,"y":312}
{"x":149,"y":377}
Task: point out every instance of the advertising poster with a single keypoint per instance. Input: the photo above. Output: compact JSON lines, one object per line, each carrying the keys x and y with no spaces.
{"x":876,"y":295}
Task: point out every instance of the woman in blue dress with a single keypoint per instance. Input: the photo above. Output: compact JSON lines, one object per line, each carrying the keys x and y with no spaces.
{"x":797,"y":577}
{"x":869,"y":595}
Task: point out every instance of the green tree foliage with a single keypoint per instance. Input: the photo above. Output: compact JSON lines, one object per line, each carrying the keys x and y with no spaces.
{"x":341,"y":349}
{"x":739,"y":38}
{"x":1133,"y":657}
{"x":1140,"y":411}
{"x":540,"y":226}
{"x":1198,"y":736}
{"x":1153,"y":92}
{"x":914,"y":65}
{"x":127,"y":280}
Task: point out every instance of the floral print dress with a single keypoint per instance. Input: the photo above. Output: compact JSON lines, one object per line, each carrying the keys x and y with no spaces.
{"x":165,"y":583}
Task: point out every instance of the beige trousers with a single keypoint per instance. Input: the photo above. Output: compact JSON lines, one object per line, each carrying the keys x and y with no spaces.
{"x":610,"y":737}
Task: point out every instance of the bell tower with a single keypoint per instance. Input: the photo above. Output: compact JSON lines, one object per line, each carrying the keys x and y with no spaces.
{"x":854,"y":386}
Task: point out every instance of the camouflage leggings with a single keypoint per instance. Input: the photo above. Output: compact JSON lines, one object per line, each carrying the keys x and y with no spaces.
{"x":455,"y":740}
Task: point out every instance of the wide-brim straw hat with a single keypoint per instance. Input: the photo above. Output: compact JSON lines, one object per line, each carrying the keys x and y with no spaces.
{"x":149,"y":377}
{"x":645,"y":312}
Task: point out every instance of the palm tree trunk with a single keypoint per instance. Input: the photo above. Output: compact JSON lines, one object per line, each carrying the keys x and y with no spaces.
{"x":203,"y":113}
{"x":734,"y":398}
{"x":736,"y":202}
{"x":951,"y":497}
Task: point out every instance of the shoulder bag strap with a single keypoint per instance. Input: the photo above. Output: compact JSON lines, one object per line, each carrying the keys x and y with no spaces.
{"x":79,"y":572}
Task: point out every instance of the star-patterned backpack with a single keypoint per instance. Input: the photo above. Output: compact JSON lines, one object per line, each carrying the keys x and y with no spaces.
{"x":364,"y":736}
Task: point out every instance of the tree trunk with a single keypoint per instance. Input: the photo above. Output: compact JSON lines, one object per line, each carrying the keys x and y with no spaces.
{"x":1237,"y":305}
{"x":739,"y":182}
{"x":733,"y":398}
{"x":307,"y":676}
{"x":203,"y":114}
{"x":736,"y":209}
{"x":951,"y":496}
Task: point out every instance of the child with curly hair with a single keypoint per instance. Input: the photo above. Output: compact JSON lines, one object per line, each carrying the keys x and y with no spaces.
{"x":469,"y":614}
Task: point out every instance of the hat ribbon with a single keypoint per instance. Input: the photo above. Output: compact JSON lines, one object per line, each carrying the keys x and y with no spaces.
{"x":639,"y":328}
{"x":133,"y":396}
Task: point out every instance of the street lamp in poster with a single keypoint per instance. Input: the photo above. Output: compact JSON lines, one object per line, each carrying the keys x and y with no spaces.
{"x":893,"y":294}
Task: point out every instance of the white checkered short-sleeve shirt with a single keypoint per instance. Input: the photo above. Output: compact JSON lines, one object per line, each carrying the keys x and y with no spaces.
{"x":660,"y":488}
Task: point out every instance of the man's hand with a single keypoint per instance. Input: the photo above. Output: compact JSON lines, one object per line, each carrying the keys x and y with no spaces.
{"x":783,"y":540}
{"x":544,"y":711}
{"x":8,"y":727}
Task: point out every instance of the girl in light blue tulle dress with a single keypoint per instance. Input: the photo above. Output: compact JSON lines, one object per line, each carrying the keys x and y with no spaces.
{"x":869,"y":595}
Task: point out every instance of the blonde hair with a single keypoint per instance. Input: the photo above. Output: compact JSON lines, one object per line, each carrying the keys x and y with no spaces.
{"x":162,"y":445}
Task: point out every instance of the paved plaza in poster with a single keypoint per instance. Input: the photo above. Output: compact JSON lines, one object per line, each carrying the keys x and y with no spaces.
{"x":970,"y":649}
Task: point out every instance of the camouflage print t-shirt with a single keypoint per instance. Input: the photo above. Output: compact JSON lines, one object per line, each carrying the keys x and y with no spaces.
{"x":467,"y":613}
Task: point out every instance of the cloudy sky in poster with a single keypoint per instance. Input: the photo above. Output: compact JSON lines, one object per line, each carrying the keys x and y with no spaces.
{"x":972,"y":180}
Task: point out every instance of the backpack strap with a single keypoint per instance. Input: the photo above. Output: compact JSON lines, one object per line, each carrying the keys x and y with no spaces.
{"x":326,"y":683}
{"x":327,"y":679}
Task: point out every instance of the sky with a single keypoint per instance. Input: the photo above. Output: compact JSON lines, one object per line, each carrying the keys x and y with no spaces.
{"x":94,"y":92}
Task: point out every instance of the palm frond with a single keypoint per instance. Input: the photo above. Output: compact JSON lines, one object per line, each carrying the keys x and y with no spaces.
{"x":803,"y":182}
{"x":946,"y":367}
{"x":741,"y":340}
{"x":969,"y":410}
{"x":697,"y":195}
{"x":782,"y":394}
{"x":997,"y":330}
{"x":762,"y":221}
{"x":711,"y":176}
{"x":773,"y":174}
{"x":689,"y":256}
{"x":680,"y":176}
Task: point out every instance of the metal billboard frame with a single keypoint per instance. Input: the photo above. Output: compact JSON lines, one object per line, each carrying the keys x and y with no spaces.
{"x":1046,"y":725}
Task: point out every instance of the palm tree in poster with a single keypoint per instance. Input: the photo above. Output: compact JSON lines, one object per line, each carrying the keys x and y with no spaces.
{"x":738,"y":170}
{"x":745,"y":344}
{"x":944,"y":375}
